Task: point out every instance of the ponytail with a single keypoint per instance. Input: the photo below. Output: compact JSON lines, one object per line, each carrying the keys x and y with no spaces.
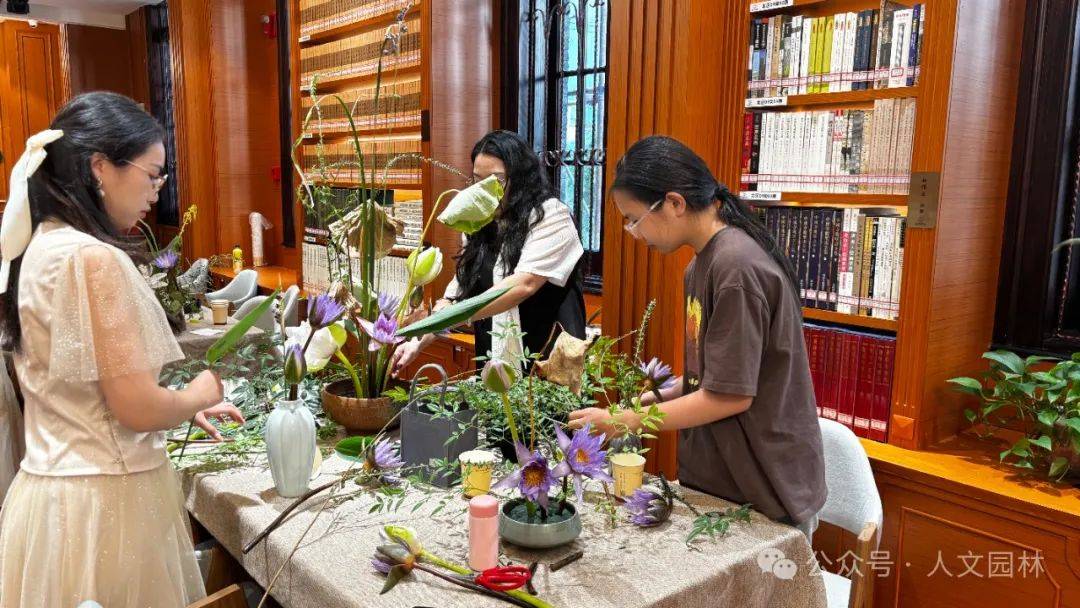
{"x":734,"y":212}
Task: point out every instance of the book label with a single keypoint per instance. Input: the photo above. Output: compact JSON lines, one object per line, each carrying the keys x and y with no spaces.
{"x":304,"y":39}
{"x":768,"y":5}
{"x":923,"y":199}
{"x":767,"y":102}
{"x":754,"y":195}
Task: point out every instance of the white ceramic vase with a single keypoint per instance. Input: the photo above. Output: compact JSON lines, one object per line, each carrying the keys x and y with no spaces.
{"x":290,"y":447}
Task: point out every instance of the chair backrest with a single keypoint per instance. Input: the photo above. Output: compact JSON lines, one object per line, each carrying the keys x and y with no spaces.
{"x":229,"y":597}
{"x":266,"y":321}
{"x":289,"y":310}
{"x":197,"y":278}
{"x":242,"y":288}
{"x":853,"y":498}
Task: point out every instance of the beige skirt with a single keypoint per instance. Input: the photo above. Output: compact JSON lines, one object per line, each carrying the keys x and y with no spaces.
{"x":120,"y":540}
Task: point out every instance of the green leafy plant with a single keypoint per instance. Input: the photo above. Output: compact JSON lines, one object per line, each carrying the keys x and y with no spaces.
{"x":1045,"y":403}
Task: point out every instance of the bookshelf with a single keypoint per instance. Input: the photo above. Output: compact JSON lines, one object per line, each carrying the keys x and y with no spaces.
{"x":421,"y":111}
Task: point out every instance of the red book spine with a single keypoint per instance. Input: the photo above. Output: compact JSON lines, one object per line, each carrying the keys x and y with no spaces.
{"x":864,"y":401}
{"x":814,"y":343}
{"x":879,"y":423}
{"x":850,"y":371}
{"x":828,"y":408}
{"x":748,"y":141}
{"x":864,"y":361}
{"x":844,"y":412}
{"x":832,"y":375}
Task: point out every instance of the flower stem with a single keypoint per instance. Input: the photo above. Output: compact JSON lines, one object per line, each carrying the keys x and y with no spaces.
{"x":435,"y":560}
{"x":510,"y":418}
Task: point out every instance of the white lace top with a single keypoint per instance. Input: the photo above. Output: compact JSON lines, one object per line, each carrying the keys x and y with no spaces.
{"x":87,"y":314}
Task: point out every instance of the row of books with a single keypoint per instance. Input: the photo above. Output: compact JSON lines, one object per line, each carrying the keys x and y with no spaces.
{"x":337,"y":162}
{"x":848,"y":260}
{"x":411,"y":213}
{"x":398,"y":106}
{"x":835,"y":151}
{"x":391,"y":274}
{"x":873,"y":48}
{"x":321,"y":15}
{"x":358,"y":55}
{"x":852,"y":374}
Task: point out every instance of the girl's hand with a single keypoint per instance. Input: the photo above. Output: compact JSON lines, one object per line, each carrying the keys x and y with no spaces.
{"x":224,"y":412}
{"x":601,"y":421}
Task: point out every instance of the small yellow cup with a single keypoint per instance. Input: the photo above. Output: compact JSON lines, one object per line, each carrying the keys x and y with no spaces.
{"x":628,"y":471}
{"x":476,"y":469}
{"x":220,"y":310}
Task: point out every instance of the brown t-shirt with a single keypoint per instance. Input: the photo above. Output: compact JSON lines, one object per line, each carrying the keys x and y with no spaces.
{"x":744,"y":337}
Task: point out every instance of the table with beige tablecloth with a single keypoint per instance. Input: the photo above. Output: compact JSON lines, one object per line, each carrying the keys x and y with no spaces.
{"x":200,"y":335}
{"x":623,"y":566}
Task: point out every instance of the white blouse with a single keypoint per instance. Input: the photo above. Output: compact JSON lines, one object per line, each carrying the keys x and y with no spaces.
{"x":551,"y":249}
{"x":87,"y":314}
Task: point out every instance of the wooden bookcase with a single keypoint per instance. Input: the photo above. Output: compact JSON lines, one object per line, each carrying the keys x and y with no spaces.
{"x":965,"y":99}
{"x":455,"y":71}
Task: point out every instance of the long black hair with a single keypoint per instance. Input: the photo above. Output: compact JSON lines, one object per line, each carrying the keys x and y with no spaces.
{"x":527,"y":187}
{"x":656,"y":165}
{"x":64,"y":187}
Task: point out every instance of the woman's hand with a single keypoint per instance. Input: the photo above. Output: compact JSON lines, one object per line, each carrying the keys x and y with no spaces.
{"x":224,"y":412}
{"x":603,"y":422}
{"x":404,"y":354}
{"x":207,"y":389}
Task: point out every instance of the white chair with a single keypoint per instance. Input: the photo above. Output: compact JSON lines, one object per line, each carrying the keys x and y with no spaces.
{"x":854,"y":505}
{"x":266,"y":321}
{"x":289,"y":311}
{"x":196,"y":279}
{"x":242,"y":288}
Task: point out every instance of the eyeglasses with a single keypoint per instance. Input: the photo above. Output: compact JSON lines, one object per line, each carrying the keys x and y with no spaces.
{"x":632,"y":227}
{"x":158,"y":181}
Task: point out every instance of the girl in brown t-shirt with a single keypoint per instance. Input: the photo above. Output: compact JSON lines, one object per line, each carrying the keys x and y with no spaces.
{"x":745,"y":409}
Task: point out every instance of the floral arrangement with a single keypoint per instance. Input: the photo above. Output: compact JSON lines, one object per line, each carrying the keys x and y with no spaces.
{"x":177,"y":297}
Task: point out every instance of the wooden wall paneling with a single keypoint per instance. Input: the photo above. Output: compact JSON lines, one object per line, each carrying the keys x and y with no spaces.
{"x":661,"y":82}
{"x":31,"y":85}
{"x":193,"y":78}
{"x":966,"y":108}
{"x":139,"y":57}
{"x":244,"y":103}
{"x":99,"y":59}
{"x":457,"y":95}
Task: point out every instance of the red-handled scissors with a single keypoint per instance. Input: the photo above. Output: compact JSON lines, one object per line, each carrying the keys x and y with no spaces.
{"x":504,"y":578}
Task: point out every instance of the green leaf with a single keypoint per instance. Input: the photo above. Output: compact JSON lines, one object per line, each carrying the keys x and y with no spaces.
{"x":1073,"y":423}
{"x":1009,"y":361}
{"x":451,"y":315}
{"x":1046,"y":377}
{"x":1032,"y":360}
{"x":1023,"y":464}
{"x":1043,"y":442}
{"x":352,"y":448}
{"x":1048,"y":416}
{"x":967,"y":385}
{"x":970,"y":415}
{"x":231,"y":339}
{"x":397,"y":573}
{"x":1059,"y":467}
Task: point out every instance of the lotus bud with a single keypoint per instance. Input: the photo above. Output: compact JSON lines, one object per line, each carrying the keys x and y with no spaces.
{"x":425,"y":266}
{"x":499,"y":376}
{"x":295,"y":366}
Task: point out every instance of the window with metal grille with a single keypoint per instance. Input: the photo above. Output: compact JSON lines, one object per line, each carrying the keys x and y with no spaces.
{"x":561,"y":101}
{"x":161,"y":104}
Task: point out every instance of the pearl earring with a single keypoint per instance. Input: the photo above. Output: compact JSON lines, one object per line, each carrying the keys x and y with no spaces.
{"x":101,"y":189}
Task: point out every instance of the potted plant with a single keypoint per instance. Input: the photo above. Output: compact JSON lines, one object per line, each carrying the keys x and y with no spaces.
{"x":536,"y":519}
{"x":434,"y":430}
{"x":1042,"y":396}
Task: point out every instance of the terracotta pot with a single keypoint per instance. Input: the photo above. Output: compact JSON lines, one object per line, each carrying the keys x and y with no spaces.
{"x":357,"y":416}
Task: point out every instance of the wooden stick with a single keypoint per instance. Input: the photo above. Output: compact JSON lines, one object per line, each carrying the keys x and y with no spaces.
{"x":566,"y":561}
{"x":292,"y":507}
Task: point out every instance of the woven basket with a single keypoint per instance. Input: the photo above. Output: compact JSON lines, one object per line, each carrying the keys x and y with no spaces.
{"x":357,"y":416}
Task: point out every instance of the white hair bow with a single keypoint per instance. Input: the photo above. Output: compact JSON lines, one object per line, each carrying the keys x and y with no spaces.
{"x":15,"y":229}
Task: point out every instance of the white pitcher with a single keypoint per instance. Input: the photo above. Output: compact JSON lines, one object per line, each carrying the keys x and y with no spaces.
{"x":290,"y":447}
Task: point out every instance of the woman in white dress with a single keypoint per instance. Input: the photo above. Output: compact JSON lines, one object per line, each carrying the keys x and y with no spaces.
{"x":95,"y":513}
{"x":532,"y":248}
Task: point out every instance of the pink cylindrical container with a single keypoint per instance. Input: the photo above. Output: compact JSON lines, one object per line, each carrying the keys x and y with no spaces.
{"x":483,"y":532}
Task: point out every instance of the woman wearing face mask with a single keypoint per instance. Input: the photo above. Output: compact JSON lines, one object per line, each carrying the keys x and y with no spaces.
{"x":95,"y":512}
{"x":745,"y":410}
{"x":532,"y":247}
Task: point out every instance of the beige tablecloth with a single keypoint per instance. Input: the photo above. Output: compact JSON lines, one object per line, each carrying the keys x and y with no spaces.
{"x":623,"y":567}
{"x":195,"y":345}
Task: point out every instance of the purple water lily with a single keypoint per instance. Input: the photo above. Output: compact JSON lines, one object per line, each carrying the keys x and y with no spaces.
{"x":533,"y":478}
{"x":323,"y":311}
{"x":166,"y":259}
{"x":648,"y":508}
{"x":382,"y":457}
{"x":582,"y":457}
{"x":381,"y":564}
{"x":383,"y":332}
{"x":388,"y":304}
{"x":657,"y":374}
